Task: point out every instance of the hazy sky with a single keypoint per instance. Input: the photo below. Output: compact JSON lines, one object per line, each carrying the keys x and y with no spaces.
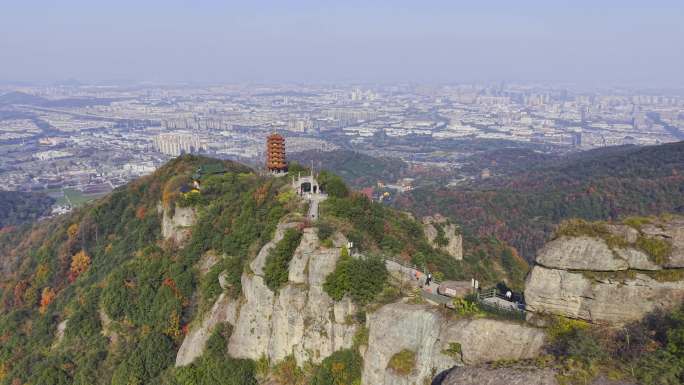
{"x":598,"y":41}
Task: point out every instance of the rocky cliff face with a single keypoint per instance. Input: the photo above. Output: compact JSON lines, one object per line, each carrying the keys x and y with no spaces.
{"x":177,"y":226}
{"x":591,"y":279}
{"x":452,"y":242}
{"x":672,"y":231}
{"x":301,"y":319}
{"x":440,"y":343}
{"x":223,"y":310}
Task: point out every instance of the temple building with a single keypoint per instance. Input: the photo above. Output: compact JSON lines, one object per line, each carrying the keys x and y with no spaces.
{"x":275,"y":154}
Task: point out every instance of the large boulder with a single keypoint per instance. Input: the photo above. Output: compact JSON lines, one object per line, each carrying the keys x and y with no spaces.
{"x":439,"y":342}
{"x":580,"y":253}
{"x":583,"y":277}
{"x":628,"y":233}
{"x":251,"y":335}
{"x":607,"y":300}
{"x":486,"y":340}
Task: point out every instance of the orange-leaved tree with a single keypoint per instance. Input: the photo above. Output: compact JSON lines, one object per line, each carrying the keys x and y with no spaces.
{"x":80,"y":263}
{"x":46,"y":299}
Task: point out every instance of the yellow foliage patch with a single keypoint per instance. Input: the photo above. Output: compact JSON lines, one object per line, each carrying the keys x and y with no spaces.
{"x":72,"y":231}
{"x":48,"y":295}
{"x":80,"y":263}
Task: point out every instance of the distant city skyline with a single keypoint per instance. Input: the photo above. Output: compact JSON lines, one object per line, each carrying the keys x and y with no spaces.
{"x":630,"y":43}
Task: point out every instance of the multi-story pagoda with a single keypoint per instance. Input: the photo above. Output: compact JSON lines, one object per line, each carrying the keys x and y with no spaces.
{"x":275,"y":154}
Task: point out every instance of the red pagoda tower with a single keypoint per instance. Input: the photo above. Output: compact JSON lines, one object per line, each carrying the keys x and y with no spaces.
{"x":275,"y":153}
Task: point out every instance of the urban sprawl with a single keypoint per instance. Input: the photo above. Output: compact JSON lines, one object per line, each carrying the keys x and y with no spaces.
{"x":87,"y":140}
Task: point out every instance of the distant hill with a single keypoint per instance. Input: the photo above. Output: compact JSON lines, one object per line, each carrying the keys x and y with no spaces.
{"x":22,"y":207}
{"x":523,"y":207}
{"x":357,"y":169}
{"x":17,"y":97}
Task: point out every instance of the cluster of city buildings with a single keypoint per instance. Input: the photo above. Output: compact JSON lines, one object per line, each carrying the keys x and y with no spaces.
{"x":97,"y":137}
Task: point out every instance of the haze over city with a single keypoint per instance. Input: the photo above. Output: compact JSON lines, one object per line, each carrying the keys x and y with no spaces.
{"x":376,"y":192}
{"x":581,"y":42}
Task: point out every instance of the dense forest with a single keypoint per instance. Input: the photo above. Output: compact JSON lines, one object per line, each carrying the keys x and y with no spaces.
{"x":128,"y":295}
{"x":357,"y":169}
{"x":380,"y":230}
{"x":22,"y":207}
{"x":522,"y":208}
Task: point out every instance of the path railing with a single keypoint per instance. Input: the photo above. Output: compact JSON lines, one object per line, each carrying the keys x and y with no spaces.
{"x":489,"y":299}
{"x":492,"y":301}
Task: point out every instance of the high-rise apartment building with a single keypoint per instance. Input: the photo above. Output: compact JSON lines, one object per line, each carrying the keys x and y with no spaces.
{"x":174,"y":144}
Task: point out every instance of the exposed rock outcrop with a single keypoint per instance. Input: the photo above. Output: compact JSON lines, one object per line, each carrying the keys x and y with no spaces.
{"x":501,"y":376}
{"x":580,"y":253}
{"x":583,"y":277}
{"x":440,"y":343}
{"x":107,"y":329}
{"x":258,"y":263}
{"x":177,"y":226}
{"x":207,"y":261}
{"x":607,"y":300}
{"x":636,"y":259}
{"x":59,"y":334}
{"x":452,"y":242}
{"x":224,"y":310}
{"x":674,"y":231}
{"x":300,"y":319}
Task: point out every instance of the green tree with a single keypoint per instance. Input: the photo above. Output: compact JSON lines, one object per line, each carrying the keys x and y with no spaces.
{"x":343,"y":367}
{"x":362,"y":279}
{"x":278,"y":260}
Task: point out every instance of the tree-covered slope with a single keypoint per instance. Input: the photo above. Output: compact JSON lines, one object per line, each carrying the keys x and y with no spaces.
{"x":101,"y":296}
{"x":522,"y":208}
{"x":127,"y":293}
{"x":20,"y":207}
{"x":357,"y":169}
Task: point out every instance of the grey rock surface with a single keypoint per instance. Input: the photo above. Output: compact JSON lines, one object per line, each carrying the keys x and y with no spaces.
{"x":573,"y":295}
{"x":628,"y":233}
{"x":580,"y":253}
{"x":454,"y":246}
{"x":177,"y":227}
{"x":637,"y":259}
{"x":223,"y":310}
{"x":675,"y":233}
{"x":257,"y":264}
{"x":300,"y":319}
{"x":501,"y":376}
{"x":430,"y":334}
